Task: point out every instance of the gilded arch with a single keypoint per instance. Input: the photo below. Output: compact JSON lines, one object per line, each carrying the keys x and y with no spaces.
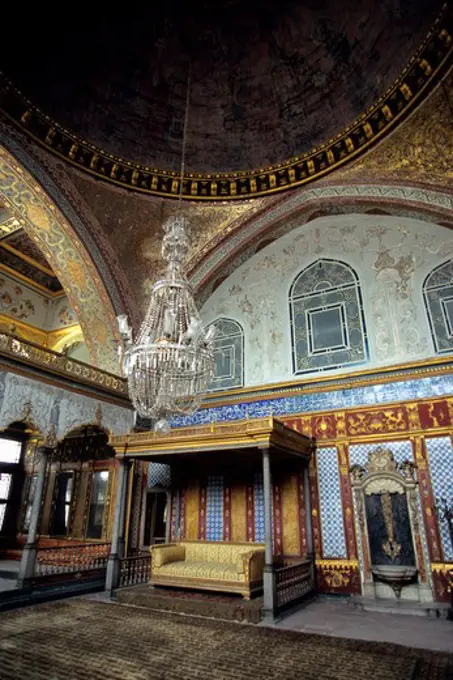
{"x":52,"y":232}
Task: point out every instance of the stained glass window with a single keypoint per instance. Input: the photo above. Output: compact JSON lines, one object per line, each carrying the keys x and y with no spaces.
{"x":228,"y":348}
{"x":438,"y":297}
{"x":327,"y":319}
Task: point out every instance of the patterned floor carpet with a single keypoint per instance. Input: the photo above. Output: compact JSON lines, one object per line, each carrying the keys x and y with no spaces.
{"x":85,"y":640}
{"x":198,"y":603}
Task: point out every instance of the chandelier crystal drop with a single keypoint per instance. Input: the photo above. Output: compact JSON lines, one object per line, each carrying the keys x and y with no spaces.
{"x":171,"y":363}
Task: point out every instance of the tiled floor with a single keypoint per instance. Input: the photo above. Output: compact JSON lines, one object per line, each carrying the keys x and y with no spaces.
{"x":339,"y":619}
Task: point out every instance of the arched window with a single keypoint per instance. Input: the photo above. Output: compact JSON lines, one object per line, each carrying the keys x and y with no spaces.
{"x":229,"y":355}
{"x":438,"y":297}
{"x":327,"y":321}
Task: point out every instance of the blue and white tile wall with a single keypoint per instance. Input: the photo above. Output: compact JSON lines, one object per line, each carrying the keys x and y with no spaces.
{"x":367,"y":395}
{"x":358,"y":453}
{"x":159,"y":475}
{"x":440,"y":460}
{"x":214,"y":508}
{"x":331,"y":507}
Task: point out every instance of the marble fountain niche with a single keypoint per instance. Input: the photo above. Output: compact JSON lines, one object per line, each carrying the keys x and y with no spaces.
{"x":392,"y":560}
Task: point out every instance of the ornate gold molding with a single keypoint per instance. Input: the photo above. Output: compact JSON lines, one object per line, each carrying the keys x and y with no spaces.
{"x":48,"y":339}
{"x":255,"y":433}
{"x":415,"y":82}
{"x":337,"y":564}
{"x":59,"y":365}
{"x":26,"y":258}
{"x":442,"y":568}
{"x":30,"y":283}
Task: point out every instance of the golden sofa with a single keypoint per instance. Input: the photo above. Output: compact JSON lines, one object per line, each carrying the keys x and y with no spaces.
{"x":207,"y":565}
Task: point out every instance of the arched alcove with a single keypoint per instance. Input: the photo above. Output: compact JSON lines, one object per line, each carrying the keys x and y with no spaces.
{"x":46,"y":225}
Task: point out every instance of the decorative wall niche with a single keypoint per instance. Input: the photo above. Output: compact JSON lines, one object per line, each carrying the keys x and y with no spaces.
{"x":389,"y":528}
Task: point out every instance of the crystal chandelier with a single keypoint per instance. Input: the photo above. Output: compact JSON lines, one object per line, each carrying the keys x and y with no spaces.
{"x":171,"y":363}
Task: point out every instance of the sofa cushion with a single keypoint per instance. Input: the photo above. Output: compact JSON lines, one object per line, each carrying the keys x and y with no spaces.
{"x":202,"y":570}
{"x":167,"y":554}
{"x":216,"y":552}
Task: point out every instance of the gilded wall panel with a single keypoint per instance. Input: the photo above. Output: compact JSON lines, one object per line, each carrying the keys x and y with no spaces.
{"x":192,"y":507}
{"x":77,"y":528}
{"x":290,"y":516}
{"x":55,"y":237}
{"x":238,"y":519}
{"x":420,"y":150}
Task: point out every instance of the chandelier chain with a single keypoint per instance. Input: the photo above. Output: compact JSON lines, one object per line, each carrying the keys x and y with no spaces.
{"x":184,"y":134}
{"x":171,"y":363}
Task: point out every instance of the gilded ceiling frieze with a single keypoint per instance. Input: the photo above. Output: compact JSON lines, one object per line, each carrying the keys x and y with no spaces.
{"x":133,"y":226}
{"x":420,"y":76}
{"x":420,"y":150}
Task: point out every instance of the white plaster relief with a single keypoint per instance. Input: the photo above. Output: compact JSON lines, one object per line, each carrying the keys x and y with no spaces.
{"x":49,"y":405}
{"x":391,"y":256}
{"x":401,"y":194}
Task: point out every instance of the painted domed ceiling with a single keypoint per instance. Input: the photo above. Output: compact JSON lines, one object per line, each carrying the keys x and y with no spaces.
{"x":270,"y":80}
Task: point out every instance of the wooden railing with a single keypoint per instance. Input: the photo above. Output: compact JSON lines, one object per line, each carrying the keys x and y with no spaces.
{"x":135,"y":570}
{"x":70,"y":559}
{"x":293,"y":582}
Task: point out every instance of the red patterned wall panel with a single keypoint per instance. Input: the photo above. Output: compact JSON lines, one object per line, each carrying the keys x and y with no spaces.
{"x":174,"y":504}
{"x":442,"y":584}
{"x":339,"y":578}
{"x":314,"y":504}
{"x":302,"y":512}
{"x":226,"y":511}
{"x":387,"y":420}
{"x":323,"y":427}
{"x":182,"y":513}
{"x":202,"y":512}
{"x":348,"y":506}
{"x":427,"y":500}
{"x":434,"y":414}
{"x":250,"y":511}
{"x":277,"y":500}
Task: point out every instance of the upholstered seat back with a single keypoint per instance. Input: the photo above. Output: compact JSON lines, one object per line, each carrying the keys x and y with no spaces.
{"x":225,"y":553}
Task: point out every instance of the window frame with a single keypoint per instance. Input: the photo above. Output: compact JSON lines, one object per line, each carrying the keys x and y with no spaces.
{"x":104,"y":505}
{"x":16,"y":470}
{"x":318,"y":290}
{"x":239,"y":333}
{"x":67,"y":504}
{"x":431,"y":294}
